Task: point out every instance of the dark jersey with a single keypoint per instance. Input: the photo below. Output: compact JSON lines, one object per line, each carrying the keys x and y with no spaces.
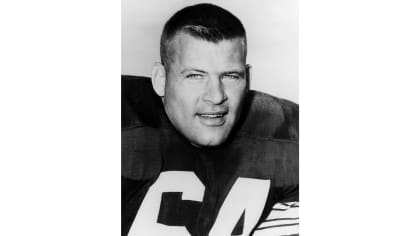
{"x":170,"y":187}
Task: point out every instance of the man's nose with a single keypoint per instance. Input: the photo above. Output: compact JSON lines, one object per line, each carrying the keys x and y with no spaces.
{"x":214,"y":92}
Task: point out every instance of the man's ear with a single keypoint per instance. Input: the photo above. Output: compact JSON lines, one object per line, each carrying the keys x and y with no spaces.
{"x":159,"y":79}
{"x":248,"y":70}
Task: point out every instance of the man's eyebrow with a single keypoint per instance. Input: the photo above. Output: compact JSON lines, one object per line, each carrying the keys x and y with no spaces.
{"x":193,"y":69}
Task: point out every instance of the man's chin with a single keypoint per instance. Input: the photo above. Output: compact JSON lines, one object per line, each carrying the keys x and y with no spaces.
{"x":208,"y":142}
{"x":205,"y":136}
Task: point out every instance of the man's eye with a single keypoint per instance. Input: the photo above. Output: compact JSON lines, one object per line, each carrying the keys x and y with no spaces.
{"x":234,"y":77}
{"x":194,"y":76}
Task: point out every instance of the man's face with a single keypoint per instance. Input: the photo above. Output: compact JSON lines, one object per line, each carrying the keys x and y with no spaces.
{"x":205,"y":86}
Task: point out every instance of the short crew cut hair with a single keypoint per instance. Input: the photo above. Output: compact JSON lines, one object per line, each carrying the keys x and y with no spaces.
{"x":203,"y":21}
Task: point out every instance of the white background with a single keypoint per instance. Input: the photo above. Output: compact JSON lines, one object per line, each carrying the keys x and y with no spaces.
{"x":60,"y":142}
{"x":272,"y":33}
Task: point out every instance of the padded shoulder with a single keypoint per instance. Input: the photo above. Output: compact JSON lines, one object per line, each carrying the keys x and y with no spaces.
{"x":270,"y":117}
{"x":140,"y":106}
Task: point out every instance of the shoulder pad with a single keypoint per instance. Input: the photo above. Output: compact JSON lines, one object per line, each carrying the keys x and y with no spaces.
{"x":140,"y":106}
{"x":266,"y":116}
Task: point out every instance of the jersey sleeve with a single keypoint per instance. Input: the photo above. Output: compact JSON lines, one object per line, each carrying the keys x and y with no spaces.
{"x":283,"y":220}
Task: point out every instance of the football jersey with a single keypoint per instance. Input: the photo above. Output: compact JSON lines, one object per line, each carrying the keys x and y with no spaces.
{"x":170,"y":187}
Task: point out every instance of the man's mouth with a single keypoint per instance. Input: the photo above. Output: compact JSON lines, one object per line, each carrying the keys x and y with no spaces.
{"x":212,"y":118}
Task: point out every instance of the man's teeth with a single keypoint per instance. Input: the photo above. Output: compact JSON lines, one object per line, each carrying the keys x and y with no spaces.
{"x":211,"y":115}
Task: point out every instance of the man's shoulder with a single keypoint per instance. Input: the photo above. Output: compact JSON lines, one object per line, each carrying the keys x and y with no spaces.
{"x":140,"y":106}
{"x":269,"y":117}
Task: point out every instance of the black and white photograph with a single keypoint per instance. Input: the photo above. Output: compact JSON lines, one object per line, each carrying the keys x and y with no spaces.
{"x":210,"y":118}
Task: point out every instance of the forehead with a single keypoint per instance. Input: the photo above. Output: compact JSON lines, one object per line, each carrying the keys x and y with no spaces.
{"x":188,"y":51}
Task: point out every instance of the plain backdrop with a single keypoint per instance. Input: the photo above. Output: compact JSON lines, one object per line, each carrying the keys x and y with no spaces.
{"x":272,"y":31}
